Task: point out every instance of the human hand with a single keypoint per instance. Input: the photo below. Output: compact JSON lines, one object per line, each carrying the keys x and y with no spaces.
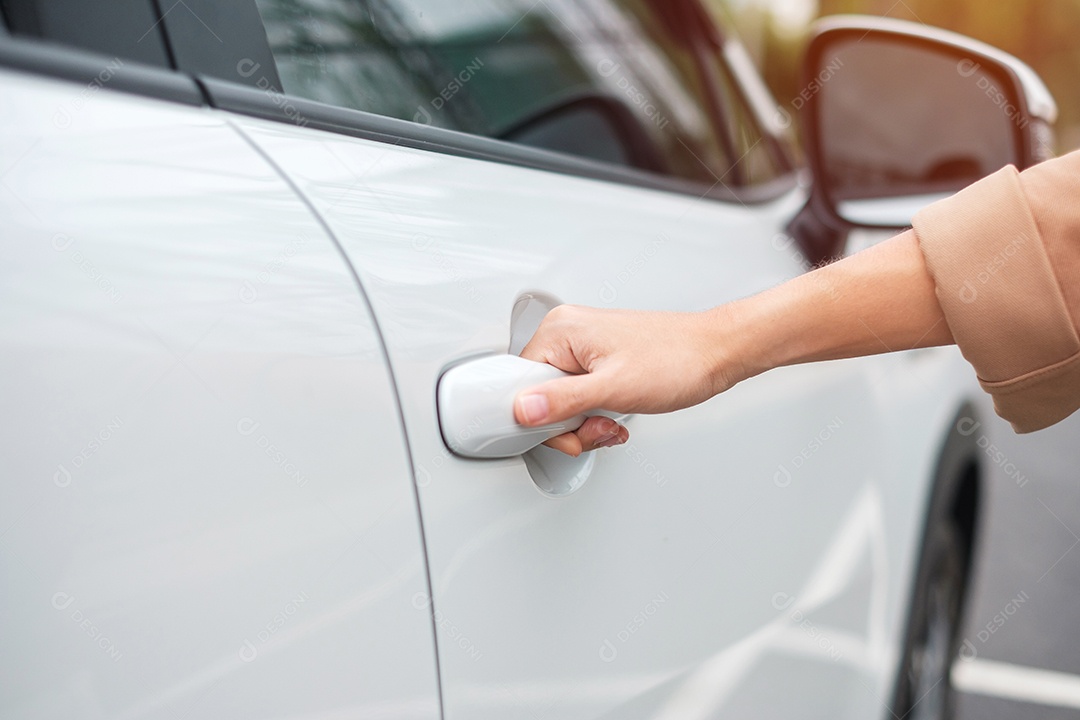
{"x":652,"y":362}
{"x":626,"y":362}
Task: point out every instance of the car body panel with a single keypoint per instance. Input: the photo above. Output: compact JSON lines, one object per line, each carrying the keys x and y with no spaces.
{"x":207,"y":508}
{"x":228,"y":486}
{"x":762,"y":539}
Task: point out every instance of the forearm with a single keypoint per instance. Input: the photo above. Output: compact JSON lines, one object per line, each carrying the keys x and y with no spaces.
{"x":1001,"y":257}
{"x":878,"y":300}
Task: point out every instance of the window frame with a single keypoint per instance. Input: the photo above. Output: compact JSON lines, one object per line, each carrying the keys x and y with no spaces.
{"x":288,"y":109}
{"x":705,"y":42}
{"x":179,"y":85}
{"x":709,"y":43}
{"x":41,"y":57}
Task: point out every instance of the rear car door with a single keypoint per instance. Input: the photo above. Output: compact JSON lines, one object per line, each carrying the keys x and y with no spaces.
{"x":728,"y":550}
{"x":206,"y":508}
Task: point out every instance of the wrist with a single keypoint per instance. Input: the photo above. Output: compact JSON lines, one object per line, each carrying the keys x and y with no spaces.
{"x":731,"y":353}
{"x":755,"y":334}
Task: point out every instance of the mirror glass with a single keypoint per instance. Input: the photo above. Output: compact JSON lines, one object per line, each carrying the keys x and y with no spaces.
{"x":902,"y":123}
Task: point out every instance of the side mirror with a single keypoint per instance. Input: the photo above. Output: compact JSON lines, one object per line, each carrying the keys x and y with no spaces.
{"x":898,"y":115}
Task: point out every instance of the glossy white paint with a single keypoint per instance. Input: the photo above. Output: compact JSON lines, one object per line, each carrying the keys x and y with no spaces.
{"x":896,"y":212}
{"x":1017,"y":683}
{"x":476,"y":407}
{"x":207,"y":509}
{"x":762,"y":540}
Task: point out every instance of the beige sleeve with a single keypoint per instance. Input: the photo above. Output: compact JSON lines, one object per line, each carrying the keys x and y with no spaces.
{"x":1005,"y":258}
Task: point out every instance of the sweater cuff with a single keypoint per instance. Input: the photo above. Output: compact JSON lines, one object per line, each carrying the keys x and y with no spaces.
{"x":1001,"y":299}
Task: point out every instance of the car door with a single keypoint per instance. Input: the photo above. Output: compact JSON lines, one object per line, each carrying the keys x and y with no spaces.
{"x":207,"y":508}
{"x":727,"y":550}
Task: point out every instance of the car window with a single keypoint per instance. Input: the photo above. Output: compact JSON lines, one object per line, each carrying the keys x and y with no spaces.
{"x":222,"y":40}
{"x":126,"y":30}
{"x":760,"y":157}
{"x":605,"y":79}
{"x":331,"y":51}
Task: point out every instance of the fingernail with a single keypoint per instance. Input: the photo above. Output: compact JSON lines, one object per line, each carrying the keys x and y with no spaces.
{"x":610,"y":429}
{"x":617,"y":439}
{"x":534,"y":408}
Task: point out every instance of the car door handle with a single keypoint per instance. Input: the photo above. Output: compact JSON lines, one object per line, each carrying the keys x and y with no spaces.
{"x":476,"y":407}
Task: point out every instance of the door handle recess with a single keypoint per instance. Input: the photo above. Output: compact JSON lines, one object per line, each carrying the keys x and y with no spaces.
{"x":476,"y":407}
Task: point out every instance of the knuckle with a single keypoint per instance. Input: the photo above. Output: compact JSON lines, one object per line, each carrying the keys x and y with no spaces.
{"x":558,"y":314}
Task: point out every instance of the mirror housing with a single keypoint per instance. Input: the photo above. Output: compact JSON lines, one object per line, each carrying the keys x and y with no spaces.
{"x":897,"y":115}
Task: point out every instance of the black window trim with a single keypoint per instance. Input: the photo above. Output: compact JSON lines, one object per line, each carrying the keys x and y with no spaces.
{"x":703,"y":37}
{"x":775,"y":144}
{"x":59,"y":61}
{"x":709,"y":47}
{"x":288,"y":109}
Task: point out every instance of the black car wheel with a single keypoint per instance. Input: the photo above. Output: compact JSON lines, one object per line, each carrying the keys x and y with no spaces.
{"x":925,"y":690}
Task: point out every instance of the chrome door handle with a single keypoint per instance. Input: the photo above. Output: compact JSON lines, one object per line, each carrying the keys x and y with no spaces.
{"x":476,"y":407}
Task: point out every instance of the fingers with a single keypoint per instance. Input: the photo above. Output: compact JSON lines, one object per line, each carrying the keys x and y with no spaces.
{"x":600,"y":432}
{"x":597,"y":432}
{"x":557,"y":340}
{"x":535,"y":350}
{"x":559,"y":400}
{"x":568,"y":443}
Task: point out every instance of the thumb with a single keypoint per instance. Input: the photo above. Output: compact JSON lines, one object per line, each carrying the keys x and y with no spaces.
{"x":557,"y":400}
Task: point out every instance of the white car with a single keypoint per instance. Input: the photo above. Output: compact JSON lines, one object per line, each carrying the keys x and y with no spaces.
{"x":243,"y":242}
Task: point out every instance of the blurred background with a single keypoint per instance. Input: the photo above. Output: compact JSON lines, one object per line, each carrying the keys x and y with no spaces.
{"x":1042,"y":33}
